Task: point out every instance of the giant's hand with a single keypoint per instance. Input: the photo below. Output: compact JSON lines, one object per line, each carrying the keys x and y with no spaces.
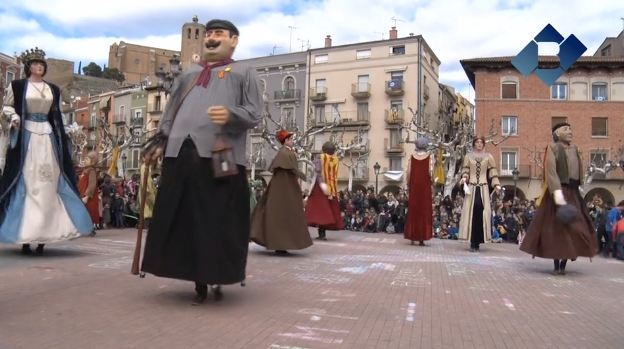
{"x":559,"y":198}
{"x":15,"y":121}
{"x":152,"y":155}
{"x":219,"y":114}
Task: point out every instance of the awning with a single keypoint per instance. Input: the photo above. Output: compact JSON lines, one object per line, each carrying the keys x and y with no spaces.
{"x":105,"y":102}
{"x":394,"y":175}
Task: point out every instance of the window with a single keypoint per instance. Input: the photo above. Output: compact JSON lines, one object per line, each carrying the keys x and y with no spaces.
{"x":288,"y":116}
{"x":557,"y":120}
{"x":559,"y":91}
{"x":599,"y":127}
{"x":318,"y":59}
{"x":320,"y":86}
{"x":360,"y":170}
{"x":395,"y":164}
{"x":188,"y":34}
{"x":599,"y":91}
{"x":508,"y":161}
{"x":10,"y":76}
{"x":362,"y":83}
{"x":598,"y":157}
{"x":122,"y":114}
{"x":362,"y":54}
{"x":196,"y":33}
{"x":395,"y":138}
{"x":509,"y":90}
{"x":509,"y":125}
{"x":606,"y":51}
{"x":396,"y":75}
{"x":398,"y":50}
{"x":134,"y":163}
{"x":93,"y":120}
{"x":335,"y":111}
{"x":319,"y":113}
{"x":289,"y":83}
{"x":137,"y":114}
{"x":396,"y":104}
{"x":362,"y":111}
{"x":156,"y":103}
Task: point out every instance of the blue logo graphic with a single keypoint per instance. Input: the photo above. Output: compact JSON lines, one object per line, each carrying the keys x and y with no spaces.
{"x":569,"y":52}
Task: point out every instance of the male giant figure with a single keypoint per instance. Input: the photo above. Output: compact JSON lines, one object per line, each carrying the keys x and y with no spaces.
{"x":200,"y":226}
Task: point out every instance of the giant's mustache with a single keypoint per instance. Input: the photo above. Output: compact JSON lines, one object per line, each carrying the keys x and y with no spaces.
{"x":212,"y":44}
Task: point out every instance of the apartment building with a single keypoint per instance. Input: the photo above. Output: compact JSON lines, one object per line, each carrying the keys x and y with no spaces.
{"x":367,"y":88}
{"x":589,"y":96}
{"x":283,"y":82}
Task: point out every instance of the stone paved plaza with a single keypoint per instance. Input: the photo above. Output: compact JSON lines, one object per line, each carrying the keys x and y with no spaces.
{"x":356,"y":290}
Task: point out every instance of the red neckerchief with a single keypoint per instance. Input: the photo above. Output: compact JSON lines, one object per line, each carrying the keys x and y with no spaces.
{"x":204,"y":76}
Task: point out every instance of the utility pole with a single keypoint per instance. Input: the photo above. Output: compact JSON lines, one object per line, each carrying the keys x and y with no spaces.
{"x":291,"y":27}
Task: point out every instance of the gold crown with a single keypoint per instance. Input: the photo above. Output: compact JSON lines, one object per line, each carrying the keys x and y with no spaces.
{"x":32,"y":54}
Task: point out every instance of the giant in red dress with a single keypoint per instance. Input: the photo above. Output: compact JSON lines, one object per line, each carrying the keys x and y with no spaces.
{"x":321,"y":211}
{"x":419,"y":225}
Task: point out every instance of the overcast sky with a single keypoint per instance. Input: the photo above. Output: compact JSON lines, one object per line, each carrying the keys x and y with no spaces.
{"x":84,"y":30}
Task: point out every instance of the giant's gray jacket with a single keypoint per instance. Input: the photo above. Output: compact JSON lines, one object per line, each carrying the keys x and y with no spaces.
{"x":234,"y":86}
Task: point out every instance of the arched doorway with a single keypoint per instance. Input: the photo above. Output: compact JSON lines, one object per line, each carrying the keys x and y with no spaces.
{"x":394,"y":189}
{"x":601,"y":193}
{"x":509,"y":193}
{"x":356,"y":187}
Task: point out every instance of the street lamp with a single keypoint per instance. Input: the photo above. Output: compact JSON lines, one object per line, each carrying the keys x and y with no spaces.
{"x":165,"y":79}
{"x":515,"y":173}
{"x":376,"y":167}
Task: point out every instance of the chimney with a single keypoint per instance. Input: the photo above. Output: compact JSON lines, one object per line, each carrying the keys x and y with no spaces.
{"x":328,"y":41}
{"x":393,"y":33}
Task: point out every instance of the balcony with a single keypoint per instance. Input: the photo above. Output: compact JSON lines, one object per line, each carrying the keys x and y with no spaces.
{"x":393,"y":147}
{"x":318,"y":94}
{"x":137,"y":122}
{"x":360,"y":90}
{"x":359,"y":150}
{"x":361,"y":118}
{"x":394,"y":88}
{"x":394,"y":116}
{"x":525,"y":172}
{"x":287,"y":95}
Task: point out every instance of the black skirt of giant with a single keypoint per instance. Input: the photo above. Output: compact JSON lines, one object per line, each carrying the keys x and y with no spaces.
{"x":200,"y":227}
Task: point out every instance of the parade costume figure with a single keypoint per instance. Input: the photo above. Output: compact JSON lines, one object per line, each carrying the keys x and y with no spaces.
{"x":88,"y":188}
{"x":39,"y":200}
{"x":476,"y":217}
{"x":200,"y":225}
{"x":278,"y":222}
{"x":561,"y":228}
{"x":419,"y":224}
{"x":323,"y":209}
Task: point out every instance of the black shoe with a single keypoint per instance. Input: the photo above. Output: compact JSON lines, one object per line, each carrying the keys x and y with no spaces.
{"x":26,"y":249}
{"x":93,"y":233}
{"x":472,"y":249}
{"x":199,"y":299}
{"x":216,"y":292}
{"x":422,"y":243}
{"x":281,"y":252}
{"x":39,"y":249}
{"x":201,"y":293}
